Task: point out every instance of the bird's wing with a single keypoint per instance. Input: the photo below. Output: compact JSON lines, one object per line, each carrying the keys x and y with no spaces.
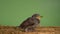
{"x":28,"y":22}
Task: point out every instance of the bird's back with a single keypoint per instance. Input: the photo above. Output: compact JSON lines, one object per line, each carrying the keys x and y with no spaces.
{"x":25,"y":23}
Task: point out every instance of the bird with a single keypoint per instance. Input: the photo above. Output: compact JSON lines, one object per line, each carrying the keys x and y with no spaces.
{"x":30,"y":23}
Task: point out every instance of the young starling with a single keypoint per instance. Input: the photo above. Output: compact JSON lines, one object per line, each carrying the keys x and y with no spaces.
{"x":30,"y":23}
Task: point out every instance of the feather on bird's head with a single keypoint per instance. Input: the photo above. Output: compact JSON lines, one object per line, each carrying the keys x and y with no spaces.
{"x":37,"y":16}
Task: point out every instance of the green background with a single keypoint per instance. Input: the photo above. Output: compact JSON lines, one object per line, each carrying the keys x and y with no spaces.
{"x":14,"y":12}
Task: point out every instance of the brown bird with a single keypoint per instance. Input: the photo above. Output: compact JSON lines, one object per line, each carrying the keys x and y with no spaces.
{"x":30,"y":23}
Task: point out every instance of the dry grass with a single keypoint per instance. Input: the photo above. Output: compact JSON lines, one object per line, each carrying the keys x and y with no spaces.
{"x":39,"y":30}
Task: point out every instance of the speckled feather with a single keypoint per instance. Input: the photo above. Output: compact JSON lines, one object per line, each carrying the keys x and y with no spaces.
{"x":32,"y":22}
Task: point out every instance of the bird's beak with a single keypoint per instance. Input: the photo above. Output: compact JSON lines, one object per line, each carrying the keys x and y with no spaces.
{"x":39,"y":17}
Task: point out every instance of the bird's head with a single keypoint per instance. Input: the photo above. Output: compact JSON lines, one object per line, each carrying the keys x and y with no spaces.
{"x":37,"y":16}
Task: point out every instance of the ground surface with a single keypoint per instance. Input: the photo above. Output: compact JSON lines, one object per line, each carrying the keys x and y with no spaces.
{"x":39,"y":30}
